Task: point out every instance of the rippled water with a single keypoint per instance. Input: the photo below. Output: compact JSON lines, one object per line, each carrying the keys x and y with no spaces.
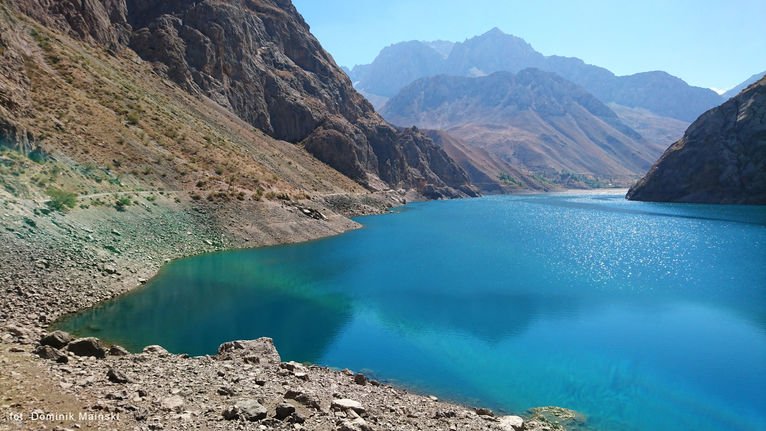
{"x":639,"y":315}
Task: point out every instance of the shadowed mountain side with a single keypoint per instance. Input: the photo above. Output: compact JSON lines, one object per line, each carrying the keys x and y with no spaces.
{"x":534,"y":120}
{"x":258,"y":59}
{"x":720,"y":159}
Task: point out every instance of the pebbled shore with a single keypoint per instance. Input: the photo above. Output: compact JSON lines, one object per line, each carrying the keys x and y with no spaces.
{"x":60,"y":263}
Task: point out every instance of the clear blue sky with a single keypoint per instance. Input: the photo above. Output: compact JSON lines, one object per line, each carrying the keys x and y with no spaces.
{"x":709,"y":43}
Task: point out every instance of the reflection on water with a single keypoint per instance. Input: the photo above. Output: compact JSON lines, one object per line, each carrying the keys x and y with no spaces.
{"x":642,"y":316}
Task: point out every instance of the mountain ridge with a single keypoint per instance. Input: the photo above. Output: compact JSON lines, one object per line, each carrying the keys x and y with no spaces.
{"x":494,"y":51}
{"x":533,"y":120}
{"x":271,"y":72}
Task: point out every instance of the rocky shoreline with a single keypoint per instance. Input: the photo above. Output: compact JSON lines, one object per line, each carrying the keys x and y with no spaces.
{"x":54,"y":264}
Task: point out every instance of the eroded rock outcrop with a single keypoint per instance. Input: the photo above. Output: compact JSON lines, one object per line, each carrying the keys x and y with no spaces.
{"x":720,"y":159}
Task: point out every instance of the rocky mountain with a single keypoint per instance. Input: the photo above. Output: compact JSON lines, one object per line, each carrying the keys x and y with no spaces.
{"x":258,"y":60}
{"x":736,"y":90}
{"x":396,"y":66}
{"x":658,"y":92}
{"x":534,"y":121}
{"x":720,"y":159}
{"x":489,"y":173}
{"x":653,"y":128}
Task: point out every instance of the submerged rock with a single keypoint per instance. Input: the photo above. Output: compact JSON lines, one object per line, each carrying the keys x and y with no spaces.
{"x":542,"y":418}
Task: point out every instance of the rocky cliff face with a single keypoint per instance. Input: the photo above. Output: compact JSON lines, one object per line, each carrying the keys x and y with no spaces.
{"x":258,"y":59}
{"x":720,"y":159}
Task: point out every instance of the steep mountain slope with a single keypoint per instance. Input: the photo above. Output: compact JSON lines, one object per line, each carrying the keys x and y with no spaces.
{"x":533,"y":120}
{"x":720,"y":159}
{"x":746,"y":83}
{"x":495,"y":51}
{"x":489,"y":173}
{"x":258,"y":60}
{"x":656,"y":130}
{"x":101,"y":123}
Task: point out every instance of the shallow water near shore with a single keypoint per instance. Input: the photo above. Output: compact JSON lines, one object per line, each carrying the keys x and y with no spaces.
{"x":638,"y":315}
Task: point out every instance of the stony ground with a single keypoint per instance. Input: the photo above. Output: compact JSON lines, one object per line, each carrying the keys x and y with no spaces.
{"x":54,"y":264}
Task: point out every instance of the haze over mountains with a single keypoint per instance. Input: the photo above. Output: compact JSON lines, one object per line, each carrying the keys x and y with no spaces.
{"x":535,"y":121}
{"x":736,"y":90}
{"x":494,"y":51}
{"x":559,"y":121}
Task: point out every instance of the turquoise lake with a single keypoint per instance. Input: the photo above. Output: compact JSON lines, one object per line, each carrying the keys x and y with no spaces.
{"x":641,"y":316}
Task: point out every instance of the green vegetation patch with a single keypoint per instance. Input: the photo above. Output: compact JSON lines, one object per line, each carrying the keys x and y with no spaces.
{"x":61,"y":200}
{"x":122,"y":202}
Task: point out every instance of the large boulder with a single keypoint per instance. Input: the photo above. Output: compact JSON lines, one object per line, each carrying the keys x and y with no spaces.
{"x":347,"y":404}
{"x":260,"y":351}
{"x":51,"y":353}
{"x":511,"y":423}
{"x":250,"y":410}
{"x":56,"y":339}
{"x":89,"y":346}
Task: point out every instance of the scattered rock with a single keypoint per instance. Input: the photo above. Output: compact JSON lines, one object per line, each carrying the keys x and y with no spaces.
{"x":344,"y":404}
{"x":360,"y":379}
{"x":481,"y":411}
{"x":511,"y":423}
{"x":116,"y":350}
{"x":172,"y":403}
{"x":250,"y":410}
{"x":357,"y":424}
{"x":226,"y":391}
{"x":51,"y":353}
{"x":89,"y":346}
{"x":116,"y":376}
{"x":155,"y":349}
{"x":56,"y":339}
{"x":284,"y":410}
{"x":260,"y":351}
{"x":307,"y":399}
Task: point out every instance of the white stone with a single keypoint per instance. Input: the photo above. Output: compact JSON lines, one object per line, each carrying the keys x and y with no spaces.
{"x":173,"y":403}
{"x":346,"y":404}
{"x":511,"y":423}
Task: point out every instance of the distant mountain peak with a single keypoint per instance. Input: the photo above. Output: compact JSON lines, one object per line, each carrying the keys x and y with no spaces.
{"x":532,"y":120}
{"x":493,"y":51}
{"x":495,"y":31}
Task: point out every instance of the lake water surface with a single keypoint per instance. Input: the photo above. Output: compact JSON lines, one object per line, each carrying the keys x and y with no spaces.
{"x":639,"y":315}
